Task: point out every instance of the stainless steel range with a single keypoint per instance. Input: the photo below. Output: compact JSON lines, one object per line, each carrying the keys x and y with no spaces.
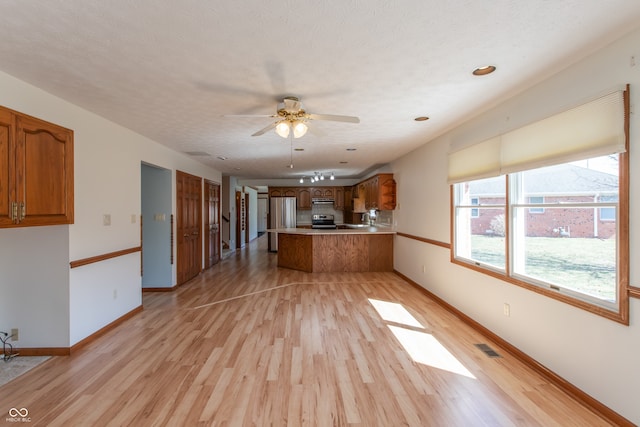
{"x":322,"y":221}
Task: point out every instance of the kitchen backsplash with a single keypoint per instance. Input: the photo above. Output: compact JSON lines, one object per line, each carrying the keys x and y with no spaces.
{"x":304,"y":217}
{"x":384,"y":218}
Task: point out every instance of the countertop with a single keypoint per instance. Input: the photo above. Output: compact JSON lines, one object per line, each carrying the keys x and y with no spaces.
{"x":321,"y":231}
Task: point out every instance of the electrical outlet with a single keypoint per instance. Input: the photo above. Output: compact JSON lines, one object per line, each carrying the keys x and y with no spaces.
{"x":106,"y":219}
{"x":133,"y":218}
{"x":507,"y":309}
{"x":424,"y":269}
{"x":115,"y":294}
{"x":14,"y":334}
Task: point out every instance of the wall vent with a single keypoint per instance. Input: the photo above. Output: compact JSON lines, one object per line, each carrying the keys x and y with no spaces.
{"x":487,"y":350}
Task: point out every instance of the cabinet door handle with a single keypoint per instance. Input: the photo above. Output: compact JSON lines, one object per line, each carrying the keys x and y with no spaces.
{"x":23,"y":212}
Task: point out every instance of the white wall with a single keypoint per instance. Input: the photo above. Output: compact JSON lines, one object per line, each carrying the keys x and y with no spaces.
{"x":34,"y":285}
{"x":107,"y":181}
{"x":597,"y":355}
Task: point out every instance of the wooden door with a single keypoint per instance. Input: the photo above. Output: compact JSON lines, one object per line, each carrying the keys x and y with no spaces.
{"x":188,"y":225}
{"x":212,"y":224}
{"x":247,"y":227}
{"x":241,"y":219}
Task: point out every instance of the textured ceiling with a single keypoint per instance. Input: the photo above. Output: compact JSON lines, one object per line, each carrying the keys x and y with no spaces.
{"x":170,"y":69}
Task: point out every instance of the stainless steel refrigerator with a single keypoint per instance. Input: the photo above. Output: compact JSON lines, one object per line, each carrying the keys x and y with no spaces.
{"x":282,"y":213}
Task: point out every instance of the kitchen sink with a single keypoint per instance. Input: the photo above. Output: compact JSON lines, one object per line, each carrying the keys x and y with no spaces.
{"x":357,"y":225}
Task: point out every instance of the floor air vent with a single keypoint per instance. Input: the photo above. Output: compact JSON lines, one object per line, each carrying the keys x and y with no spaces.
{"x":487,"y":350}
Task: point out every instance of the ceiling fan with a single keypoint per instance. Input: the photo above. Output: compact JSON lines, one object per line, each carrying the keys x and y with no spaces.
{"x":292,"y":117}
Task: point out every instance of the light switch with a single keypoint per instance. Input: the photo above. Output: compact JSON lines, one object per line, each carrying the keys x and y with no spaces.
{"x":106,"y":219}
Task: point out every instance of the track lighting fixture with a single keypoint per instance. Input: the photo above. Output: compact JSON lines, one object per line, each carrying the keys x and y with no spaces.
{"x":318,"y":176}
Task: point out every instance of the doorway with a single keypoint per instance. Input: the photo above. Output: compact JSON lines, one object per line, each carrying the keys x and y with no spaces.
{"x":156,"y":227}
{"x":263,"y":209}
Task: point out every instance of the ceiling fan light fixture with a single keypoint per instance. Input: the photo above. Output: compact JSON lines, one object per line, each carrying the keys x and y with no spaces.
{"x":282,"y":129}
{"x":299,"y":129}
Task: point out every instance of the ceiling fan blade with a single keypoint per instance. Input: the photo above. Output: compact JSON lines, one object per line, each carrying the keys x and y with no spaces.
{"x":248,"y":115}
{"x":314,"y":129}
{"x":334,"y":118}
{"x":266,"y":129}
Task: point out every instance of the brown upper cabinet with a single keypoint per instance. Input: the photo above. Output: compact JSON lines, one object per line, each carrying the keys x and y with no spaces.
{"x":283,"y":192}
{"x":338,"y":202}
{"x":304,"y":198}
{"x":322,"y":192}
{"x":36,"y":171}
{"x":305,"y":195}
{"x":377,"y":192}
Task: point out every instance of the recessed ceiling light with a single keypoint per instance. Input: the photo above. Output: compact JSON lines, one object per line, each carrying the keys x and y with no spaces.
{"x":421,"y":119}
{"x":351,"y":149}
{"x":483,"y":71}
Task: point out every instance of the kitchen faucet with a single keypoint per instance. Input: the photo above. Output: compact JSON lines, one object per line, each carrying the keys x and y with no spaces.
{"x":370,"y":217}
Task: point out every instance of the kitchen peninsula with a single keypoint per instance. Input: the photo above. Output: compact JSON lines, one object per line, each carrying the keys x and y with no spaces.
{"x":326,"y":251}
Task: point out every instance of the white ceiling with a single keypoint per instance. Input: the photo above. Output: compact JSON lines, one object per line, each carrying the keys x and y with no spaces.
{"x":170,"y":69}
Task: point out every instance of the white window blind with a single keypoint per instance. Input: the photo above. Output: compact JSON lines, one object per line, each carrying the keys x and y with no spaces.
{"x":593,"y":129}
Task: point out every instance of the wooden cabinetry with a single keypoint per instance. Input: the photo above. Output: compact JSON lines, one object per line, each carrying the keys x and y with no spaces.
{"x":343,"y":197}
{"x":36,"y":171}
{"x":304,"y":198}
{"x":377,"y":192}
{"x":386,"y":197}
{"x":322,"y":192}
{"x":283,"y":192}
{"x":338,"y":202}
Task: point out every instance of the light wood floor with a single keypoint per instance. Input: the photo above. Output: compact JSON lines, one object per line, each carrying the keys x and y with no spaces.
{"x":247,"y":343}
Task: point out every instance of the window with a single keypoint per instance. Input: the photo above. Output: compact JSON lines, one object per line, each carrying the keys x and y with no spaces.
{"x":536,"y":200}
{"x":553,"y":229}
{"x":608,"y":213}
{"x":564,"y":212}
{"x":475,"y":213}
{"x":488,"y":222}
